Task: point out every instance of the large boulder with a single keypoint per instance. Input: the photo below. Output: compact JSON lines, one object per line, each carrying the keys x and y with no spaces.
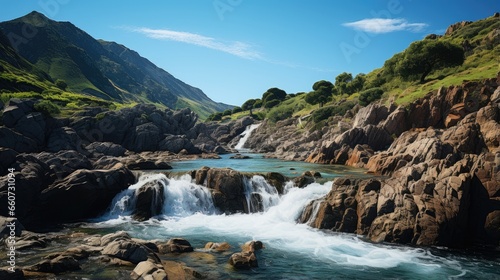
{"x":64,"y":138}
{"x":228,"y":190}
{"x":81,"y":195}
{"x":31,"y":177}
{"x":149,"y":201}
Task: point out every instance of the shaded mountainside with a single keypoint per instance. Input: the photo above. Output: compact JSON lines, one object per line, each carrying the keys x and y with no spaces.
{"x":98,"y":68}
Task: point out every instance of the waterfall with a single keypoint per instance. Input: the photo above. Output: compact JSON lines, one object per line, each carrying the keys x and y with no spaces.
{"x":260,"y":195}
{"x":245,"y":135}
{"x":180,"y":197}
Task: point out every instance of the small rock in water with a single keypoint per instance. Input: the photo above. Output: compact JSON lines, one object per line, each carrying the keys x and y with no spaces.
{"x":176,"y":245}
{"x":220,"y":247}
{"x":243,"y":260}
{"x":252,"y":246}
{"x":240,"y":156}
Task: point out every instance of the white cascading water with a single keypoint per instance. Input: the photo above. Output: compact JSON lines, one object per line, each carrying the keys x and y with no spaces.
{"x":181,"y":197}
{"x":260,"y":195}
{"x":189,"y":211}
{"x":245,"y":135}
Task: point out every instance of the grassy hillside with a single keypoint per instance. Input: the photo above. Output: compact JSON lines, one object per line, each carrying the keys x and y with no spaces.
{"x":104,"y":70}
{"x":480,"y":41}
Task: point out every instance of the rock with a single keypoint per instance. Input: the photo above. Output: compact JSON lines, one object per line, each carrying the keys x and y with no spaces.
{"x":16,"y":141}
{"x":175,"y":245}
{"x":64,"y":138}
{"x":252,"y":246}
{"x":454,"y":27}
{"x":228,"y":190}
{"x":149,"y":270}
{"x":375,"y":137}
{"x":128,"y":250}
{"x":10,"y":226}
{"x":58,"y":265}
{"x":106,"y":148}
{"x":145,"y":137}
{"x":108,"y":238}
{"x":149,"y":201}
{"x":240,"y":156}
{"x":397,"y":122}
{"x":81,"y":195}
{"x":359,"y":156}
{"x":15,"y":110}
{"x":65,"y":162}
{"x":32,"y":176}
{"x":457,"y":112}
{"x":9,"y":275}
{"x":177,"y":143}
{"x":277,"y":180}
{"x":372,"y":114}
{"x":303,"y":181}
{"x":7,"y":159}
{"x":243,"y":260}
{"x":219,"y":247}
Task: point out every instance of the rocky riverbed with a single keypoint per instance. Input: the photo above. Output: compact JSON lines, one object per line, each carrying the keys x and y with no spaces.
{"x":439,"y":158}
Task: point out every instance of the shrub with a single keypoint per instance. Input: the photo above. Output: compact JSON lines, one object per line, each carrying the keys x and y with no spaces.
{"x":47,"y":108}
{"x":337,"y":110}
{"x":280,"y":113}
{"x":368,"y":96}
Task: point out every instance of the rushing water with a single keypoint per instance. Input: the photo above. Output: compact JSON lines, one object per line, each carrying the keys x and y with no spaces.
{"x":292,"y":251}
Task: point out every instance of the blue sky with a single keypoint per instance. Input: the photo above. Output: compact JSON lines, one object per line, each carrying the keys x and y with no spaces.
{"x":235,"y":50}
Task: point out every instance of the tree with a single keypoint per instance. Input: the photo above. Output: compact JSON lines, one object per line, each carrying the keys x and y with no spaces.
{"x":272,"y":95}
{"x":342,"y":81}
{"x":368,"y":96}
{"x":248,"y":105}
{"x":422,"y":57}
{"x":322,"y":93}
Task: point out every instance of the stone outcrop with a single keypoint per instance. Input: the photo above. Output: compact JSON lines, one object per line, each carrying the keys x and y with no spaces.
{"x":246,"y":259}
{"x":441,"y":185}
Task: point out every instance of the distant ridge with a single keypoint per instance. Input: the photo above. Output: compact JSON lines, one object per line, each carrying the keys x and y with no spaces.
{"x":102,"y":69}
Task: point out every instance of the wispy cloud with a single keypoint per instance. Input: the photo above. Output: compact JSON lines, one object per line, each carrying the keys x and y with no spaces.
{"x":383,"y":25}
{"x":236,"y":48}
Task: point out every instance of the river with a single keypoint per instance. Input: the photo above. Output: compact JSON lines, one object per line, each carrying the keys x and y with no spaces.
{"x":292,"y":250}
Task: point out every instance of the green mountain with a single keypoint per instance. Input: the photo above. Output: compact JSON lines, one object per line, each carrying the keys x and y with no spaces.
{"x":101,"y":69}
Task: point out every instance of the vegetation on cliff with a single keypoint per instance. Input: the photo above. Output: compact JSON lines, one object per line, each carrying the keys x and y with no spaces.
{"x":468,"y":51}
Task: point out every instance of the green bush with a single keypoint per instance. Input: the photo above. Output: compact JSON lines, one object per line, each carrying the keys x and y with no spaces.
{"x":280,"y":113}
{"x":47,"y":108}
{"x":368,"y":96}
{"x":337,"y":110}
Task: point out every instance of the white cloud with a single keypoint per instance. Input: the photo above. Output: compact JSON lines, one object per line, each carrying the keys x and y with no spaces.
{"x":383,"y":25}
{"x":235,"y":48}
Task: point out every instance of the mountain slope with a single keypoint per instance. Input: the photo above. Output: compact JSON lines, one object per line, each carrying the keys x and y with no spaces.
{"x":102,"y":69}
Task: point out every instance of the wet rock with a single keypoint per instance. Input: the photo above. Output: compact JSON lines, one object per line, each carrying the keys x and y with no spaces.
{"x":228,"y":190}
{"x":176,"y":245}
{"x":243,"y":260}
{"x":149,"y":270}
{"x":57,"y":265}
{"x":128,"y":250}
{"x":303,"y":181}
{"x":252,"y":246}
{"x":219,"y":247}
{"x":149,"y":201}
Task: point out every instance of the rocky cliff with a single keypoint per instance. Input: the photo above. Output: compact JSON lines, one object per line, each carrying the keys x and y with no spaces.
{"x":440,"y":156}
